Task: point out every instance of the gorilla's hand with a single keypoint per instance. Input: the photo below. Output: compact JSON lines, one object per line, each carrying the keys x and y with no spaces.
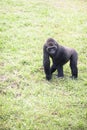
{"x":48,"y":77}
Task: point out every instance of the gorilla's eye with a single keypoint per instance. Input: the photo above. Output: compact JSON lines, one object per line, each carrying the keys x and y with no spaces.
{"x":50,"y":44}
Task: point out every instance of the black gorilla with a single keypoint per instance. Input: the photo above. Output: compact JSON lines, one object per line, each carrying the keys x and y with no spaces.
{"x":60,"y":55}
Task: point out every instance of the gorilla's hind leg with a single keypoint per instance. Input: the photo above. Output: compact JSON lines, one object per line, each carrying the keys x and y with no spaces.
{"x":60,"y":71}
{"x":73,"y":66}
{"x":53,"y":68}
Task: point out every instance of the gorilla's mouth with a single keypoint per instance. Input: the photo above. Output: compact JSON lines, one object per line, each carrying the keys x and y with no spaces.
{"x":51,"y":51}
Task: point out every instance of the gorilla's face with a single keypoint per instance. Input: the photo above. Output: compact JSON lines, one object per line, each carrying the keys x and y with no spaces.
{"x":51,"y":48}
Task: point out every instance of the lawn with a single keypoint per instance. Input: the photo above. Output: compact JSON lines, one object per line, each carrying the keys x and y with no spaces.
{"x":27,"y":100}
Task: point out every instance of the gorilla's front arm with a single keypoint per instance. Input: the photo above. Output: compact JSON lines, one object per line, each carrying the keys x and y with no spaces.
{"x":46,"y":64}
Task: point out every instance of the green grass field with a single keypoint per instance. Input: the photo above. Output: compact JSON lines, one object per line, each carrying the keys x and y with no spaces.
{"x":27,"y":100}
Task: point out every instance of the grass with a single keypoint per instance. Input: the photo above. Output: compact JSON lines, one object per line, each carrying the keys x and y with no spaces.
{"x":27,"y":100}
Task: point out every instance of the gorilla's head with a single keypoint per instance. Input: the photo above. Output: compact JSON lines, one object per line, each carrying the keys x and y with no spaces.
{"x":51,"y":46}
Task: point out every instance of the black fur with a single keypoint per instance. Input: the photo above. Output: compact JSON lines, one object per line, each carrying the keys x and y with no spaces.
{"x":60,"y":55}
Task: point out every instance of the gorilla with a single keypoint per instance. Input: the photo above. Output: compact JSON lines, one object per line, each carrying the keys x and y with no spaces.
{"x":60,"y":55}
